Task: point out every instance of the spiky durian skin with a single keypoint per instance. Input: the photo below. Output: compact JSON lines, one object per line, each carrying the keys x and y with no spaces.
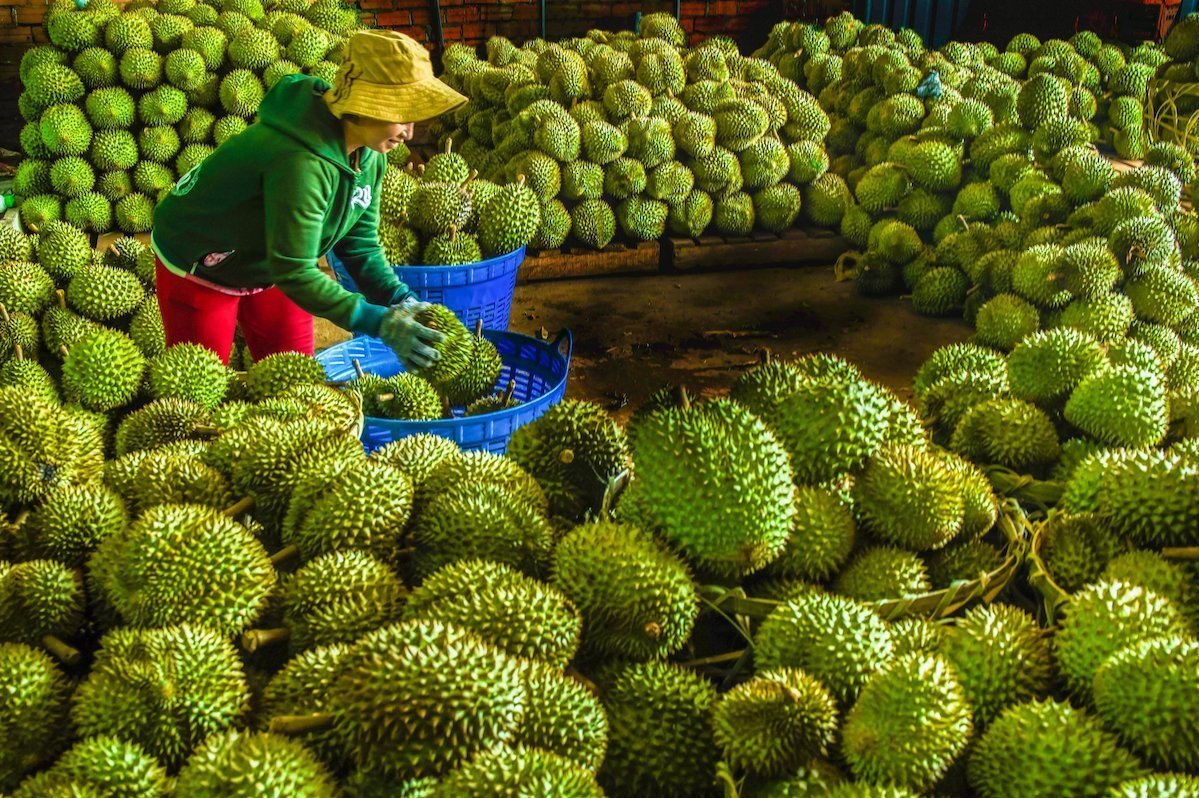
{"x":71,"y":522}
{"x":1152,"y":497}
{"x":687,"y":457}
{"x":637,"y":598}
{"x":815,"y":778}
{"x":237,"y":764}
{"x":302,"y":687}
{"x":822,"y":536}
{"x":1146,"y":694}
{"x":1001,"y":657}
{"x":106,"y":764}
{"x":909,"y":724}
{"x":161,"y":421}
{"x":276,"y":373}
{"x":660,"y":735}
{"x":1008,"y":432}
{"x":523,"y":771}
{"x":33,"y":696}
{"x":484,"y":521}
{"x":164,"y":689}
{"x":417,"y":455}
{"x":563,"y":715}
{"x":1105,"y":618}
{"x":103,"y":371}
{"x":575,"y":450}
{"x":39,"y":598}
{"x":1121,"y":406}
{"x":338,"y":519}
{"x":878,"y":573}
{"x":775,"y":722}
{"x":513,"y":612}
{"x":183,"y":563}
{"x":1085,"y":760}
{"x":1159,"y":785}
{"x":419,"y":698}
{"x":908,"y":497}
{"x":40,"y":448}
{"x":191,"y":372}
{"x":837,"y":640}
{"x":338,"y":597}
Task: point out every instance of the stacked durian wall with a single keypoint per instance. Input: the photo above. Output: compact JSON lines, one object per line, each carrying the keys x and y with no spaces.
{"x":805,"y":587}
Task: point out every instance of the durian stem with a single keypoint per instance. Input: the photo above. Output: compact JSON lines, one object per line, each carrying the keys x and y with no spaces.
{"x":358,"y":368}
{"x":65,"y":653}
{"x":337,"y":383}
{"x":284,"y":554}
{"x":1190,"y":553}
{"x":684,"y":400}
{"x":61,"y":296}
{"x":764,"y":355}
{"x":449,"y":143}
{"x":254,"y":639}
{"x":3,"y":313}
{"x":405,"y":552}
{"x":301,"y":724}
{"x":18,"y":351}
{"x":385,"y":397}
{"x":206,"y":430}
{"x":62,"y":350}
{"x":478,"y":328}
{"x":715,"y":659}
{"x":244,"y":505}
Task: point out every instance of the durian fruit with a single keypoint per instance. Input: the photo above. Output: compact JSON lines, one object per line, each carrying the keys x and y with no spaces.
{"x":1145,"y":692}
{"x":1105,"y":618}
{"x":41,"y":603}
{"x":1050,"y":364}
{"x":513,"y":612}
{"x":41,"y":448}
{"x":103,"y":370}
{"x":1150,"y":570}
{"x":814,"y":778}
{"x":637,"y":599}
{"x":1120,"y":406}
{"x":879,"y":573}
{"x":165,"y":690}
{"x":563,"y":715}
{"x":403,"y":396}
{"x":1007,"y":432}
{"x":909,"y":724}
{"x":528,"y":771}
{"x":454,"y":353}
{"x":35,"y":702}
{"x":1151,"y":497}
{"x":835,"y":639}
{"x":823,"y":533}
{"x":333,"y":598}
{"x":69,"y":524}
{"x":160,"y":422}
{"x":660,"y":734}
{"x":1001,"y":657}
{"x":302,"y":687}
{"x":509,"y":220}
{"x":1158,"y":785}
{"x":419,"y":699}
{"x":910,"y":498}
{"x":478,"y":376}
{"x":575,"y":451}
{"x":416,"y":455}
{"x":482,"y":468}
{"x":274,"y":374}
{"x":684,"y":455}
{"x":241,"y":764}
{"x":108,"y":765}
{"x":1084,"y":760}
{"x":207,"y":568}
{"x":774,"y":723}
{"x":485,"y":521}
{"x":191,"y":372}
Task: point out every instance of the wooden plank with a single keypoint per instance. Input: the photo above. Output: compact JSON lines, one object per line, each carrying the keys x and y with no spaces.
{"x":792,"y":249}
{"x":104,"y":240}
{"x":644,"y":258}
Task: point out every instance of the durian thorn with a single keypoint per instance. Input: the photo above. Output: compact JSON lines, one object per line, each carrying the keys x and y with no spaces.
{"x":566,"y":456}
{"x":301,"y":724}
{"x":63,"y":652}
{"x":243,"y":505}
{"x":61,"y":296}
{"x":284,"y":554}
{"x":4,"y":313}
{"x":478,"y":328}
{"x":358,"y":368}
{"x":254,"y":639}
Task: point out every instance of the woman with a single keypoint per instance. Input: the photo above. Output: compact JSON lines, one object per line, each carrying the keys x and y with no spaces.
{"x":239,"y":236}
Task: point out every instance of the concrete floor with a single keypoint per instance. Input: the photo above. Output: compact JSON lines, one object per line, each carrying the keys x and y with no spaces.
{"x":634,"y":334}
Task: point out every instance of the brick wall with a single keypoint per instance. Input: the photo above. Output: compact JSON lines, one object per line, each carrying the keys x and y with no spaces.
{"x":470,"y":21}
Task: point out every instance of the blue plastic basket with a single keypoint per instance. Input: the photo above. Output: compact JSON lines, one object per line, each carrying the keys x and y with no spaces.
{"x":474,"y":291}
{"x":538,"y":369}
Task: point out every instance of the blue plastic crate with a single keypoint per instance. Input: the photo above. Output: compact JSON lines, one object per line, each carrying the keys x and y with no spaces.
{"x":538,"y":369}
{"x":474,"y":291}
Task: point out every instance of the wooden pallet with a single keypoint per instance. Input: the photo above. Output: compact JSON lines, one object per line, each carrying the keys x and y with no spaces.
{"x":792,"y":248}
{"x":573,"y":262}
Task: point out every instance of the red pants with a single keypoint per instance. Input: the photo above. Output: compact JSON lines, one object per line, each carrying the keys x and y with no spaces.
{"x":195,"y":313}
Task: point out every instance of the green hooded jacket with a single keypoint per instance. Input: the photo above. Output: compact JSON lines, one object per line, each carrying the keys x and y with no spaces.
{"x":276,"y":197}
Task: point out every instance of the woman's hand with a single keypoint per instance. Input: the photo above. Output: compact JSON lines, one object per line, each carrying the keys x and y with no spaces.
{"x":412,"y":341}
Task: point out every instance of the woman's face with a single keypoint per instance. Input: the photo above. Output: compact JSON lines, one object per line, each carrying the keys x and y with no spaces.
{"x":383,"y":136}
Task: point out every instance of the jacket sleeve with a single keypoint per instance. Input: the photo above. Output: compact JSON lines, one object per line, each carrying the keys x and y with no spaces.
{"x":364,"y":257}
{"x":296,"y":191}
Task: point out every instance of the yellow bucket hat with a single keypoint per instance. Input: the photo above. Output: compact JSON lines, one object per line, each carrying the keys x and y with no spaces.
{"x":387,"y":75}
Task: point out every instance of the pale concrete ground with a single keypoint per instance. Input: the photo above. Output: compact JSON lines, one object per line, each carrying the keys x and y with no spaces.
{"x":634,"y":334}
